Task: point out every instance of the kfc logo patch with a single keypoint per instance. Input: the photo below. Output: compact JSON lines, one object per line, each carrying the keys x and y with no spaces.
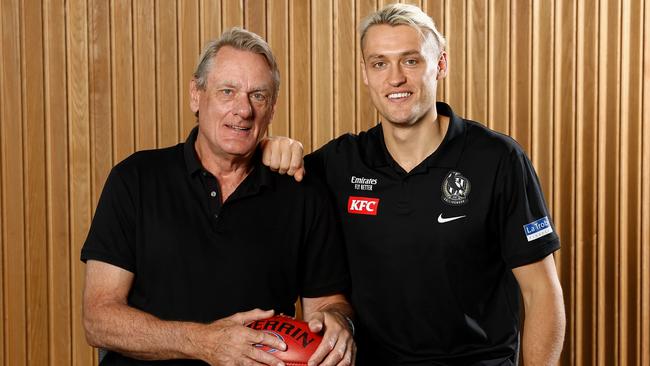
{"x":363,"y":205}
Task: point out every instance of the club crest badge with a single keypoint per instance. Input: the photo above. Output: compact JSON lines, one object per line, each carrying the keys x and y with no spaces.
{"x":455,"y":189}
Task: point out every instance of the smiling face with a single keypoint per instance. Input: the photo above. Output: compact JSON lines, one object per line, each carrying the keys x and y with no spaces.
{"x":236,"y":105}
{"x":401,"y":70}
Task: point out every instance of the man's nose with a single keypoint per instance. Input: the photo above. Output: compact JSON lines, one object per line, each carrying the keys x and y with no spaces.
{"x":242,"y":106}
{"x":396,"y":76}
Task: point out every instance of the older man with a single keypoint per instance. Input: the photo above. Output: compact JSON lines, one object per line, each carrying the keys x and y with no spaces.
{"x":188,"y":242}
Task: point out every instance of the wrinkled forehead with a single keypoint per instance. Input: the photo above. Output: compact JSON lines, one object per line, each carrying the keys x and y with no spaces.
{"x":240,"y":67}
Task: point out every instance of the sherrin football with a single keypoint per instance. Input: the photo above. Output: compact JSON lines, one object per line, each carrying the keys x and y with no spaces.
{"x":301,"y":342}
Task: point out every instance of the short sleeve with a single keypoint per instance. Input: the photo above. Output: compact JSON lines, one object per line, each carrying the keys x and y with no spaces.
{"x":111,"y":237}
{"x":323,"y":260}
{"x":526,"y":231}
{"x":315,"y":162}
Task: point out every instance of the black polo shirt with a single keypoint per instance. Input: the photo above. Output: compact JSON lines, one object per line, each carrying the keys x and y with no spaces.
{"x":195,"y":259}
{"x":431,"y":251}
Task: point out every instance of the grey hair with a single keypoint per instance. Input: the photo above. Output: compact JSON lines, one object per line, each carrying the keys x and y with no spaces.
{"x":404,"y":14}
{"x":240,"y":39}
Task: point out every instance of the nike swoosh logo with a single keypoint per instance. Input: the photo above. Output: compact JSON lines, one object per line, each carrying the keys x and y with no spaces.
{"x":443,"y":220}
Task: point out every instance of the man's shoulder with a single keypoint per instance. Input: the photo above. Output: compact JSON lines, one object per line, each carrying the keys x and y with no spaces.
{"x":153,"y":160}
{"x":485,"y":139}
{"x":349,"y":142}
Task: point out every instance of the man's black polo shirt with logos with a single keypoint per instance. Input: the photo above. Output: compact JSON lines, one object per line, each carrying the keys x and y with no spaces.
{"x":195,"y":259}
{"x":431,"y":251}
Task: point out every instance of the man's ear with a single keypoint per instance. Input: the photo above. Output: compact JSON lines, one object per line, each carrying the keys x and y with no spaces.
{"x":195,"y":94}
{"x":442,"y":66}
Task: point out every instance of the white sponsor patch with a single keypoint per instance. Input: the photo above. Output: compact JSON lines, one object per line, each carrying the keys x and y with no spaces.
{"x":538,"y":228}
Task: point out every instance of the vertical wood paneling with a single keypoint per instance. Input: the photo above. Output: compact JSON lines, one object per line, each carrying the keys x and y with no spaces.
{"x":85,"y":83}
{"x":345,"y":67}
{"x":122,"y":88}
{"x":558,"y":60}
{"x":608,"y":182}
{"x":299,"y":68}
{"x":210,"y":13}
{"x":631,"y":166}
{"x":59,"y":256}
{"x":101,"y":94}
{"x":645,"y":214}
{"x":188,"y":29}
{"x":587,"y":179}
{"x":13,"y":210}
{"x":34,"y":147}
{"x":456,"y":32}
{"x":520,"y":77}
{"x":366,"y":115}
{"x":477,"y":70}
{"x":322,"y":72}
{"x":278,"y":38}
{"x":499,"y":66}
{"x":144,"y":74}
{"x":167,"y":73}
{"x":80,"y":164}
{"x":232,"y":13}
{"x":255,"y":17}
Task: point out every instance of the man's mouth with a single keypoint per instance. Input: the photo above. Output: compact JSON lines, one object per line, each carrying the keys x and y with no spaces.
{"x":238,"y":128}
{"x":400,"y":95}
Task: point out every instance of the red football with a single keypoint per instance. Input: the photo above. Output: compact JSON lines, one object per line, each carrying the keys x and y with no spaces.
{"x":301,"y":342}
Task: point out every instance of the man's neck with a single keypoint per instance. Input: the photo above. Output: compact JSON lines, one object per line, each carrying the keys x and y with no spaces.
{"x":410,"y":145}
{"x":230,"y":171}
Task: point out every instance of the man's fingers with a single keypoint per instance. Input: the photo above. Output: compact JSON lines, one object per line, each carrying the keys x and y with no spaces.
{"x":285,"y":161}
{"x":263,"y":357}
{"x":325,"y":346}
{"x":251,"y":316}
{"x":263,"y":338}
{"x":299,"y":174}
{"x":276,"y":155}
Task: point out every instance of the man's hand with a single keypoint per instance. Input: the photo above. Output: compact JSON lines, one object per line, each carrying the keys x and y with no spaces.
{"x":338,"y":347}
{"x":228,"y":341}
{"x":283,"y":155}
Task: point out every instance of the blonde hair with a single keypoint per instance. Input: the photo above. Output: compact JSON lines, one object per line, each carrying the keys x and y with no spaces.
{"x":404,"y":14}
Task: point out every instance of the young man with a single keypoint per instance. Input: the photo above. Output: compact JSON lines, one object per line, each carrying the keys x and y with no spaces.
{"x":444,"y":220}
{"x":188,"y":241}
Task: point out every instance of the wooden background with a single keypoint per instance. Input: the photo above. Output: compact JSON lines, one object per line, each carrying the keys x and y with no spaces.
{"x":86,"y":83}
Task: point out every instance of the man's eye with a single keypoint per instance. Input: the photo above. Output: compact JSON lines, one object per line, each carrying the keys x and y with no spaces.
{"x":259,"y":97}
{"x":411,"y":62}
{"x":227,"y":91}
{"x":379,"y":64}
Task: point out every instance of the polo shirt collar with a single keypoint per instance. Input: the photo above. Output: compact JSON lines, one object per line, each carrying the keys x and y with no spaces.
{"x":260,"y":176}
{"x":446,"y":155}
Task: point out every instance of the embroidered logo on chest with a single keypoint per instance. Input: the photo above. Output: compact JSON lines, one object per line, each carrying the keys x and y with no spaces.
{"x":455,"y":189}
{"x":363,"y":205}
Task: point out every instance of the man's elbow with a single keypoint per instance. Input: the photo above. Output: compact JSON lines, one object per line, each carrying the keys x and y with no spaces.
{"x":92,"y":326}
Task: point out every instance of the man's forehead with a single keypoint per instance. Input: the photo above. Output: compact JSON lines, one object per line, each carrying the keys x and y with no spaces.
{"x":387,"y":40}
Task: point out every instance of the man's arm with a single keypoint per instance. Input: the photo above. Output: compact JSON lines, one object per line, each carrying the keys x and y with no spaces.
{"x":283,"y":155}
{"x":545,"y":319}
{"x":331,"y":313}
{"x":112,"y":324}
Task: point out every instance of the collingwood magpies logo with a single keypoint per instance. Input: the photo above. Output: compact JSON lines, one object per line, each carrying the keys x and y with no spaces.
{"x":455,"y":189}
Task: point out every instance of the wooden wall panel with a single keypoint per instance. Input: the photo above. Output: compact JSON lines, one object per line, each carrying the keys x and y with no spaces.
{"x":13,"y":189}
{"x":144,"y":74}
{"x":300,"y":98}
{"x":58,"y":224}
{"x":278,"y":38}
{"x":34,"y":150}
{"x":85,"y":83}
{"x":322,"y":72}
